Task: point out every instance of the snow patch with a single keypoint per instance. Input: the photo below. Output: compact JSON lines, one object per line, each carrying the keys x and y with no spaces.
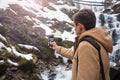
{"x":13,"y":63}
{"x":1,"y":45}
{"x":43,"y":26}
{"x":1,"y":24}
{"x":26,"y":56}
{"x":5,"y":3}
{"x":28,"y":46}
{"x":28,"y":18}
{"x":13,"y":11}
{"x":3,"y":38}
{"x":2,"y":61}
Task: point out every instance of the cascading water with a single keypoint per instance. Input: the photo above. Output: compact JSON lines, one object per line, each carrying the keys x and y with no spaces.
{"x":110,"y":22}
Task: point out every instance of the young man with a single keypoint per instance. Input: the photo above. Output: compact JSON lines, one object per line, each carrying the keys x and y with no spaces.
{"x":87,"y":67}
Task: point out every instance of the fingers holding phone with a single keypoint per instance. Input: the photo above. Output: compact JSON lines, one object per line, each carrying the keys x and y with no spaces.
{"x":51,"y":39}
{"x":52,"y":44}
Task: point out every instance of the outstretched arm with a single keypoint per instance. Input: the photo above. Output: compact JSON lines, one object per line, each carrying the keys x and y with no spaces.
{"x":66,"y":52}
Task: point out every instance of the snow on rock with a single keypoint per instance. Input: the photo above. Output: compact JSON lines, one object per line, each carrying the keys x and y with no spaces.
{"x":28,"y":46}
{"x":68,"y":36}
{"x":1,"y":24}
{"x":13,"y":11}
{"x":13,"y":63}
{"x":3,"y":38}
{"x":1,"y":45}
{"x":29,"y":5}
{"x":26,"y":56}
{"x":35,"y":8}
{"x":2,"y":61}
{"x":43,"y":26}
{"x":58,"y":14}
{"x":118,"y":2}
{"x":27,"y":17}
{"x":65,"y":35}
{"x":60,"y":1}
{"x":5,"y":3}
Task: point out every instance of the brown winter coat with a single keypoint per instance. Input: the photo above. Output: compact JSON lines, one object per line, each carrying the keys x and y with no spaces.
{"x":88,"y":60}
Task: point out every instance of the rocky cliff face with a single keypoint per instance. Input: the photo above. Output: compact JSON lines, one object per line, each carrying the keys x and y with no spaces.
{"x":20,"y":26}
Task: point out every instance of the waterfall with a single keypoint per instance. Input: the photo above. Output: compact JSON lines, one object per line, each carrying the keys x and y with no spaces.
{"x":110,"y":22}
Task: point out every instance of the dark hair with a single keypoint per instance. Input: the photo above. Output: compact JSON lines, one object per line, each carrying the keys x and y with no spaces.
{"x":85,"y":17}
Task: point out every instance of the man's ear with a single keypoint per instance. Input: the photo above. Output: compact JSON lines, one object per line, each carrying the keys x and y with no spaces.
{"x":80,"y":25}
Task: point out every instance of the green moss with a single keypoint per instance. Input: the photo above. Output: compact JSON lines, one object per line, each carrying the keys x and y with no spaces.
{"x":48,"y":54}
{"x":34,"y":58}
{"x":58,"y":41}
{"x":6,"y":53}
{"x":2,"y":58}
{"x":22,"y":61}
{"x":2,"y":77}
{"x":67,"y":44}
{"x":17,"y":48}
{"x":45,"y":53}
{"x":27,"y":66}
{"x":3,"y":68}
{"x":9,"y":54}
{"x":64,"y":43}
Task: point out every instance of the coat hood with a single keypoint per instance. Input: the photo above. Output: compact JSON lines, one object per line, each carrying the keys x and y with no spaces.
{"x":101,"y":36}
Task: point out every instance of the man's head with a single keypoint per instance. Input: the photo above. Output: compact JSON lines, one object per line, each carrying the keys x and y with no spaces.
{"x":86,"y":18}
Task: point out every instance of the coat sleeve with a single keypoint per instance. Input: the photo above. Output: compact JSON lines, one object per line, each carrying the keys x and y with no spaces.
{"x":66,"y":52}
{"x":88,"y":62}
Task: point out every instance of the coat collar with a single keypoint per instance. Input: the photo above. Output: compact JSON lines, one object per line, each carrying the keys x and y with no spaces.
{"x":76,"y":43}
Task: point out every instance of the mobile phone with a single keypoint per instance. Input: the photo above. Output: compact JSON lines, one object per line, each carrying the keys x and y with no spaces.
{"x":51,"y":39}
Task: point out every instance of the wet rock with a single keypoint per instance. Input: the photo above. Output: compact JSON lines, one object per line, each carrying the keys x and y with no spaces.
{"x":116,"y":8}
{"x":52,"y":74}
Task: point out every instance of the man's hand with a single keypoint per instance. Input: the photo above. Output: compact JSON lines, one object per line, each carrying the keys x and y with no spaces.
{"x":53,"y":45}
